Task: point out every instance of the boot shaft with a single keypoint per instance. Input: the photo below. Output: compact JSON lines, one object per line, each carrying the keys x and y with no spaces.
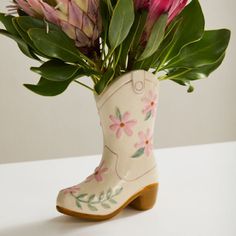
{"x":127,"y":111}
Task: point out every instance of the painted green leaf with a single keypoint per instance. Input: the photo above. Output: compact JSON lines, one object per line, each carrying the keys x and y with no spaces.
{"x":148,"y":115}
{"x":121,"y":22}
{"x":101,"y":196}
{"x":91,"y":198}
{"x":82,"y":195}
{"x":118,"y":190}
{"x":138,"y":153}
{"x":105,"y":205}
{"x":203,"y":52}
{"x":92,"y":208}
{"x":112,"y":201}
{"x":56,"y":70}
{"x":118,"y":114}
{"x":156,"y":37}
{"x":54,"y":44}
{"x":78,"y":204}
{"x":109,"y":193}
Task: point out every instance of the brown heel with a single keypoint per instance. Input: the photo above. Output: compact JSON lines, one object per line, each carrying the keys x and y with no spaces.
{"x":146,"y":198}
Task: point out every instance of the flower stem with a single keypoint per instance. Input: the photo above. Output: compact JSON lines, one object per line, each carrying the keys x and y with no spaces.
{"x":86,"y":86}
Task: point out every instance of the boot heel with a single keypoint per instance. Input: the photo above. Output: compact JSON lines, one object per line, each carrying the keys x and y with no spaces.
{"x":146,"y":198}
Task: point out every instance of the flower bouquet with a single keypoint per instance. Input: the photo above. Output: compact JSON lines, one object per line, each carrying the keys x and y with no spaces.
{"x":125,"y":48}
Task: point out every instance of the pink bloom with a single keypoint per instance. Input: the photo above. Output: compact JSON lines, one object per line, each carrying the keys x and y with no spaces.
{"x":122,"y":123}
{"x":150,"y":104}
{"x":159,"y":7}
{"x":145,"y":142}
{"x":97,"y":175}
{"x":73,"y":189}
{"x":141,"y":4}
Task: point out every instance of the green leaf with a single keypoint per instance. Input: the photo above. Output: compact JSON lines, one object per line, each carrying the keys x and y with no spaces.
{"x":112,"y":201}
{"x":121,"y":22}
{"x":118,"y":191}
{"x":148,"y":115}
{"x":26,"y":38}
{"x":54,"y":44}
{"x":156,"y":37}
{"x":92,"y":208}
{"x":7,"y":22}
{"x":104,"y":81}
{"x":118,"y":114}
{"x":27,"y":22}
{"x":49,"y":88}
{"x":101,"y":196}
{"x":21,"y":44}
{"x":138,"y":153}
{"x":78,"y":204}
{"x":82,"y":195}
{"x":56,"y":70}
{"x":190,"y":30}
{"x":185,"y":74}
{"x":105,"y":205}
{"x":109,"y":193}
{"x":133,"y":36}
{"x":203,"y":52}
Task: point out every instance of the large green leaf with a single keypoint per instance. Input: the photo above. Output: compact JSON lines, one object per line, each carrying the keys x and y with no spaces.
{"x":128,"y":43}
{"x":206,"y":51}
{"x":7,"y":22}
{"x":28,"y":22}
{"x":56,"y":70}
{"x":54,"y":44}
{"x":155,"y":38}
{"x":26,"y":37}
{"x":121,"y":22}
{"x":21,"y":44}
{"x":155,"y":60}
{"x":182,"y":75}
{"x":190,"y":30}
{"x":48,"y":88}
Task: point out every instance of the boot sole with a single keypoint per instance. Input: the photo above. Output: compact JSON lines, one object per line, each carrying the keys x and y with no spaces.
{"x":142,"y":201}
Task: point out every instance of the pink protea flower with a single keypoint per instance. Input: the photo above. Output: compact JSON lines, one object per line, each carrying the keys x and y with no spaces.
{"x":79,"y":19}
{"x":158,"y":7}
{"x":150,"y":104}
{"x":122,"y":123}
{"x":73,"y":189}
{"x":145,"y":144}
{"x":141,"y":4}
{"x":97,"y":175}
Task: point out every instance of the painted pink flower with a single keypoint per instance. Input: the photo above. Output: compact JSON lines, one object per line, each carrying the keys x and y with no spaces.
{"x":73,"y":189}
{"x":97,"y":175}
{"x":122,"y":123}
{"x":144,"y":145}
{"x":150,"y":104}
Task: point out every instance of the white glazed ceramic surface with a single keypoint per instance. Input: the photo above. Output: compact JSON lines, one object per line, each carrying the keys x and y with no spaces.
{"x":127,"y":111}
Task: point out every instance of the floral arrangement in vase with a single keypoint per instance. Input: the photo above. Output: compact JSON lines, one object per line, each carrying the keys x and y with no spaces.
{"x":124,"y":48}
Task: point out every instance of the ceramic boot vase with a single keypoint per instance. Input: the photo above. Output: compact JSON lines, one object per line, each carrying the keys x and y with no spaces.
{"x":127,"y":174}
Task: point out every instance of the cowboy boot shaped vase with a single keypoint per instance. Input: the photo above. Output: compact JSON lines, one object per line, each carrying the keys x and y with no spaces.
{"x":127,"y":173}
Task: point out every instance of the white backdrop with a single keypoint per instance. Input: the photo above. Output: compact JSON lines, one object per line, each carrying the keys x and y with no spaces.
{"x":34,"y":127}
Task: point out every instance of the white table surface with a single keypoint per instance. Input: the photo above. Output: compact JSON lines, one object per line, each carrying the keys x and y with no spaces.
{"x":197,"y":196}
